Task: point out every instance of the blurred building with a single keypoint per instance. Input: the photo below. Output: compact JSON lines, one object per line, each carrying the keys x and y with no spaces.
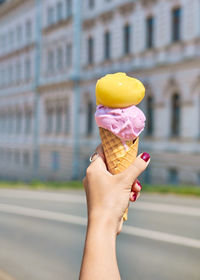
{"x":51,"y":54}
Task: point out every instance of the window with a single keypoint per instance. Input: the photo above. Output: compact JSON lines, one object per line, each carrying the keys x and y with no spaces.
{"x":11,"y":39}
{"x":27,"y":69}
{"x":5,"y":122}
{"x":26,"y":159}
{"x":17,"y":157}
{"x":10,"y":73}
{"x":68,"y":7}
{"x":59,"y":119}
{"x":9,"y":123}
{"x":198,"y":178}
{"x":149,"y":115}
{"x":1,"y":154}
{"x":5,"y":42}
{"x":50,"y":16}
{"x":149,"y":32}
{"x":3,"y":77}
{"x":67,"y":119}
{"x":50,"y":61}
{"x":9,"y":156}
{"x":55,"y":161}
{"x":49,"y":121}
{"x":28,"y":122}
{"x":7,"y":76}
{"x":199,"y":115}
{"x":59,"y":11}
{"x":19,"y":122}
{"x":175,"y":115}
{"x":1,"y":42}
{"x":19,"y":34}
{"x":59,"y":58}
{"x":18,"y":71}
{"x":176,"y":24}
{"x":107,"y":41}
{"x":69,"y":55}
{"x":1,"y":122}
{"x":173,"y":176}
{"x":127,"y":34}
{"x":1,"y":74}
{"x":89,"y":117}
{"x":28,"y":30}
{"x":90,"y":50}
{"x":91,"y":3}
{"x":14,"y":123}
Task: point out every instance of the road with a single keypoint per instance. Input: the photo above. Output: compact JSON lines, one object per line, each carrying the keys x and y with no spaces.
{"x":42,"y":236}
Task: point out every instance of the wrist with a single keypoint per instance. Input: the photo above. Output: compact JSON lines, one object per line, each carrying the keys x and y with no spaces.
{"x":103,"y":222}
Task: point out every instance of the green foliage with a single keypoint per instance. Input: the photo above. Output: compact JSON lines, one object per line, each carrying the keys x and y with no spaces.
{"x":77,"y":185}
{"x":174,"y":189}
{"x":42,"y":185}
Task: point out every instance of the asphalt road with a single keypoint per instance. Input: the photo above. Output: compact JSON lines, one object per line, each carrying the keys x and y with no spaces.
{"x":42,"y":237}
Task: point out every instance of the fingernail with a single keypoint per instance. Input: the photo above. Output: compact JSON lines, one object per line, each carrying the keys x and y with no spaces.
{"x":134,"y":197}
{"x":139,"y":184}
{"x":145,"y":156}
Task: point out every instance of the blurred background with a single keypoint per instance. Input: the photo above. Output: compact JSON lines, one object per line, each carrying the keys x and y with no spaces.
{"x":51,"y":54}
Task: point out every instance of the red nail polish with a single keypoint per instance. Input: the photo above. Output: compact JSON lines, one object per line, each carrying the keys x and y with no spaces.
{"x":139,"y":184}
{"x":134,"y":197}
{"x":145,"y":156}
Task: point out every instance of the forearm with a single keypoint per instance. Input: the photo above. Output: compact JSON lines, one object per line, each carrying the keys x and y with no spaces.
{"x":99,"y":259}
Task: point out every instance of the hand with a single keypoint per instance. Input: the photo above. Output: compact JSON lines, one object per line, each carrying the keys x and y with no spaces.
{"x":108,"y":195}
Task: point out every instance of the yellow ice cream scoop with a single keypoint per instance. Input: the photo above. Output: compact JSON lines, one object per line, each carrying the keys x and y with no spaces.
{"x":119,"y":90}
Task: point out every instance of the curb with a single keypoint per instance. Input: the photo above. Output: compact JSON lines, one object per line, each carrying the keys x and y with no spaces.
{"x":5,"y":276}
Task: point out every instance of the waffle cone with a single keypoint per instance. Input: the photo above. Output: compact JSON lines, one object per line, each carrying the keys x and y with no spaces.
{"x":118,"y":157}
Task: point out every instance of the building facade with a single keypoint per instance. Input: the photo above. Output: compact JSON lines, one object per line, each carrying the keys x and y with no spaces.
{"x":51,"y":55}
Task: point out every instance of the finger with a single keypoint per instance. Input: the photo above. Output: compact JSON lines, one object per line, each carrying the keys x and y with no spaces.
{"x":129,"y":175}
{"x":131,"y":196}
{"x":136,"y":187}
{"x":134,"y":196}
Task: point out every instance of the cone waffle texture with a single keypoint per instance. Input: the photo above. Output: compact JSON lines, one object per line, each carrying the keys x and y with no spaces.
{"x":118,"y":156}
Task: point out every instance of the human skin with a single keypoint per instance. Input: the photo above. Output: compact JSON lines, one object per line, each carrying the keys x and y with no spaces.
{"x":108,"y":196}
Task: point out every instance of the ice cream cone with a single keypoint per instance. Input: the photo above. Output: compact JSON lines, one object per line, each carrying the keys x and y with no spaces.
{"x":118,"y":155}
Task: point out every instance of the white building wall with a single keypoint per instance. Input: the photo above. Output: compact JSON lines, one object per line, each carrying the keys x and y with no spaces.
{"x":165,"y":69}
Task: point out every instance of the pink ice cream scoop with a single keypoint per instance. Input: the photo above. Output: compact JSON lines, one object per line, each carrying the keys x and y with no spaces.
{"x":126,"y":123}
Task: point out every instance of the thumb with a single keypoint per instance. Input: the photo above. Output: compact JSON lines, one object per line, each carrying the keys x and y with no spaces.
{"x":135,"y":169}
